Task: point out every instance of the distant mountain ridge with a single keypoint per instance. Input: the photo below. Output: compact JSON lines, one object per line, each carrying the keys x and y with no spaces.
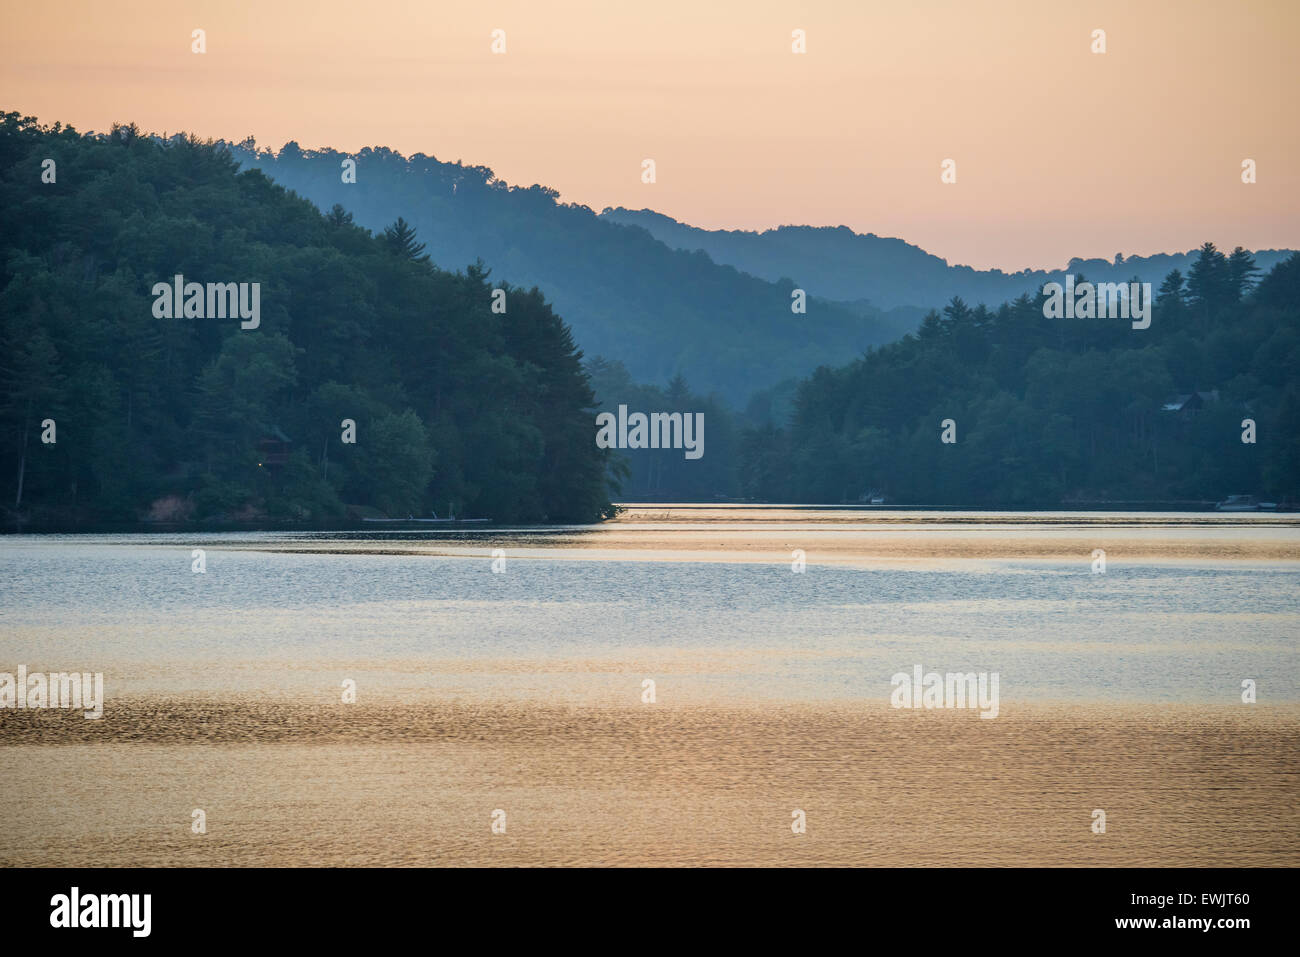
{"x":664,"y":298}
{"x":626,"y":295}
{"x":836,"y":263}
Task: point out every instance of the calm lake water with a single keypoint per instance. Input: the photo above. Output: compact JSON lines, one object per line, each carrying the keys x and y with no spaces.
{"x":704,"y":601}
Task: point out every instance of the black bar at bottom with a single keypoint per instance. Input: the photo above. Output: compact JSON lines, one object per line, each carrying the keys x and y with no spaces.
{"x":971,"y":907}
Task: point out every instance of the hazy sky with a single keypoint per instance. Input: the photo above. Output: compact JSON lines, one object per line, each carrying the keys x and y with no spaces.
{"x":1059,"y":151}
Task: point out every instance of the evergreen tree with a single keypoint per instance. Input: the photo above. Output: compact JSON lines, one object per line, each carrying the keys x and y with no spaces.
{"x":400,"y":238}
{"x":1209,"y":283}
{"x":1241,"y":273}
{"x":1171,"y":297}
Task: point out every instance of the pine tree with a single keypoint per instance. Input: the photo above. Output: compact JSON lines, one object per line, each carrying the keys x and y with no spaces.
{"x":1241,"y":273}
{"x":1172,"y":296}
{"x":1208,"y":283}
{"x":400,"y":238}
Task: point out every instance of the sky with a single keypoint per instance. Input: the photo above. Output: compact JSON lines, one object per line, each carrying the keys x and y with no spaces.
{"x":1059,"y":151}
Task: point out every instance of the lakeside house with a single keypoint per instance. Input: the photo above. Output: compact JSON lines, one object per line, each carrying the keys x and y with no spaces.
{"x":273,"y":448}
{"x":1190,"y":402}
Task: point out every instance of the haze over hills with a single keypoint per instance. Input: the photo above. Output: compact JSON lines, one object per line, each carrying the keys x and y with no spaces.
{"x":662,"y":297}
{"x":491,"y":411}
{"x":836,"y":263}
{"x":626,"y":295}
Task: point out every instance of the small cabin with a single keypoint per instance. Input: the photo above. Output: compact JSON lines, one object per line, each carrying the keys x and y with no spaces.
{"x":1191,"y":402}
{"x":273,"y":448}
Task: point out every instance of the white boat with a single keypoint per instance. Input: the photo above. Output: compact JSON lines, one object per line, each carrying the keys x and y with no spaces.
{"x":1240,"y":503}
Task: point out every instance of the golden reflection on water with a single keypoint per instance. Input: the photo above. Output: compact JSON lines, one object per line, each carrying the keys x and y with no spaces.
{"x":831,"y":536}
{"x":416,"y":785}
{"x":230,"y":701}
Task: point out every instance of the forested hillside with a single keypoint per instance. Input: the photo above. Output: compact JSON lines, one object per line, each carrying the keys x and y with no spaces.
{"x":114,"y":411}
{"x":1044,"y":411}
{"x":1059,"y":410}
{"x":179,"y":419}
{"x":661,"y":311}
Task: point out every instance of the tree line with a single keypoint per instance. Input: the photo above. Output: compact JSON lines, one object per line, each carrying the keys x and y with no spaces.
{"x":1045,"y":411}
{"x":453,"y":404}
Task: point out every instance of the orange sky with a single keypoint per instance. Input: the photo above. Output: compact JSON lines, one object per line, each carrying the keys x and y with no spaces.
{"x":1060,"y":152}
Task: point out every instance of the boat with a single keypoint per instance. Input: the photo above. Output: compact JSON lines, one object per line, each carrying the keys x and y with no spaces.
{"x":1244,"y":503}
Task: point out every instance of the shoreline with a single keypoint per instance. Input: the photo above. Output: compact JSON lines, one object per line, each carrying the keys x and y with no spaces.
{"x":768,"y":535}
{"x":740,"y":511}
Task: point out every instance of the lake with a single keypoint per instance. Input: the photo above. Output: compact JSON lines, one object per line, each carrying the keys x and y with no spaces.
{"x":771,"y":687}
{"x":1186,"y":608}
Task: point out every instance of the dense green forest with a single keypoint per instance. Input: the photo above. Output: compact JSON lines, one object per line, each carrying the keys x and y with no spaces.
{"x":453,"y":403}
{"x":662,"y":311}
{"x":1046,"y":411}
{"x":111,"y":412}
{"x":1052,"y":410}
